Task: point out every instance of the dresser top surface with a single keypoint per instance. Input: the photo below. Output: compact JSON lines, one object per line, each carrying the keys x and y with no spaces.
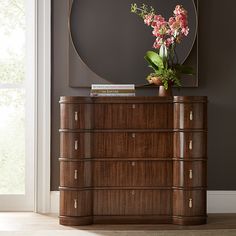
{"x":135,"y":99}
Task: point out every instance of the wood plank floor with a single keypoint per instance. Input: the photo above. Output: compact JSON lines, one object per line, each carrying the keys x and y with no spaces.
{"x":33,"y":221}
{"x":24,"y":223}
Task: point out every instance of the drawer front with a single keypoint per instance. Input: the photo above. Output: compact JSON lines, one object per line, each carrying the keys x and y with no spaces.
{"x":139,"y":144}
{"x":75,"y":145}
{"x":189,"y":174}
{"x":133,"y":116}
{"x":75,"y":174}
{"x":132,"y":173}
{"x":190,"y":145}
{"x":76,"y":116}
{"x":132,"y":202}
{"x":75,"y":203}
{"x":189,"y":203}
{"x":190,"y":116}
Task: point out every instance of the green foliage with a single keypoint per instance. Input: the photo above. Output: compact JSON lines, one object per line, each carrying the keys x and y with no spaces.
{"x":12,"y":70}
{"x":155,"y":61}
{"x":164,"y":62}
{"x":169,"y":75}
{"x":12,"y":14}
{"x":142,"y":11}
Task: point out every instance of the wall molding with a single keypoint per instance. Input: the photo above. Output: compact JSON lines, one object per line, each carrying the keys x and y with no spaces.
{"x":217,"y":202}
{"x":42,"y":166}
{"x":221,"y":201}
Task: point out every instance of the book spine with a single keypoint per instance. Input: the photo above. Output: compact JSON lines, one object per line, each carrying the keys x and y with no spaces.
{"x":113,"y":86}
{"x":112,"y":94}
{"x":112,"y":91}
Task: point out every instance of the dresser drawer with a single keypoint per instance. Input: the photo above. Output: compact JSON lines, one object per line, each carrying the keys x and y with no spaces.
{"x":133,"y":116}
{"x":75,"y":116}
{"x":132,"y":173}
{"x":75,"y":203}
{"x":75,"y":145}
{"x":190,"y":116}
{"x":189,"y":174}
{"x":133,"y":144}
{"x":75,"y":174}
{"x":132,"y":202}
{"x":190,"y":145}
{"x":189,"y":203}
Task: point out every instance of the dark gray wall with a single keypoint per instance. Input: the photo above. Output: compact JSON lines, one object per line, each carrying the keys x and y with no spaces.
{"x":217,"y":80}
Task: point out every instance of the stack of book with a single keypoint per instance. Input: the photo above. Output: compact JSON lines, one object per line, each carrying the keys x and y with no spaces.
{"x":103,"y":90}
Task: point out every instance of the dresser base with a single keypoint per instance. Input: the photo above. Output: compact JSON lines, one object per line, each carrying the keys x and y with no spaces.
{"x":75,"y":221}
{"x":132,"y":219}
{"x":177,"y":220}
{"x":187,"y":220}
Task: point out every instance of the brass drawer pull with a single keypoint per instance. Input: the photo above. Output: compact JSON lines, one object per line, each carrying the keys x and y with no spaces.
{"x":191,"y":115}
{"x":133,"y":106}
{"x":75,"y":203}
{"x":76,"y":174}
{"x":76,"y":116}
{"x":190,"y":146}
{"x":190,"y":174}
{"x":190,"y":203}
{"x":133,"y":163}
{"x":133,"y":192}
{"x":133,"y":135}
{"x":76,"y":144}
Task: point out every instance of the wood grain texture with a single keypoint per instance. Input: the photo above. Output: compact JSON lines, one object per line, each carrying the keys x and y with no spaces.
{"x":132,"y":202}
{"x":132,"y":173}
{"x":190,"y":145}
{"x":75,"y":174}
{"x":75,"y":145}
{"x":133,"y":116}
{"x":133,"y":157}
{"x":190,"y":116}
{"x":132,"y":144}
{"x":75,"y":220}
{"x":75,"y":116}
{"x":76,"y":203}
{"x":134,"y":219}
{"x":181,"y":203}
{"x":189,"y":174}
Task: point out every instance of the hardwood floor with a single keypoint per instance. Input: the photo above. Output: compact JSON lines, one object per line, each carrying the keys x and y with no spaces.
{"x":34,"y":222}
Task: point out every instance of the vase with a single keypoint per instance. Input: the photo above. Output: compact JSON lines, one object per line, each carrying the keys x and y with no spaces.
{"x":162,"y":91}
{"x":165,"y":92}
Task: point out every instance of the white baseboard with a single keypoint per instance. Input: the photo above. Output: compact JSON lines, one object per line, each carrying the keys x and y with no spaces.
{"x":55,"y":202}
{"x":221,"y":201}
{"x":217,"y":202}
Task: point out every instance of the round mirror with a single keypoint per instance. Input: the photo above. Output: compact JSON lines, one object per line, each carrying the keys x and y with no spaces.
{"x":112,"y":42}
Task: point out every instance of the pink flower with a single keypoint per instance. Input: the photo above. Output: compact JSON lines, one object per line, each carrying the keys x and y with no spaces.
{"x":185,"y":31}
{"x":171,"y":21}
{"x":148,"y":19}
{"x":157,"y":44}
{"x":168,"y":32}
{"x":180,"y":10}
{"x":169,"y":41}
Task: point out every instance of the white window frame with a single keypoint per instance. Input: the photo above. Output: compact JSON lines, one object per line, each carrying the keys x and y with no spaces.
{"x":43,"y":104}
{"x":26,"y":202}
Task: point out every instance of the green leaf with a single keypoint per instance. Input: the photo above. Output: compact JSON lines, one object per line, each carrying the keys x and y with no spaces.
{"x":154,"y":59}
{"x":151,"y":64}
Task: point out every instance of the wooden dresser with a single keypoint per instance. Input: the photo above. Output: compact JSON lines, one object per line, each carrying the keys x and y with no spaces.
{"x":133,"y":160}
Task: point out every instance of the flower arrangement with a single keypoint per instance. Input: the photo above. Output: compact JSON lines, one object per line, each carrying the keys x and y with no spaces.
{"x":164,"y":61}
